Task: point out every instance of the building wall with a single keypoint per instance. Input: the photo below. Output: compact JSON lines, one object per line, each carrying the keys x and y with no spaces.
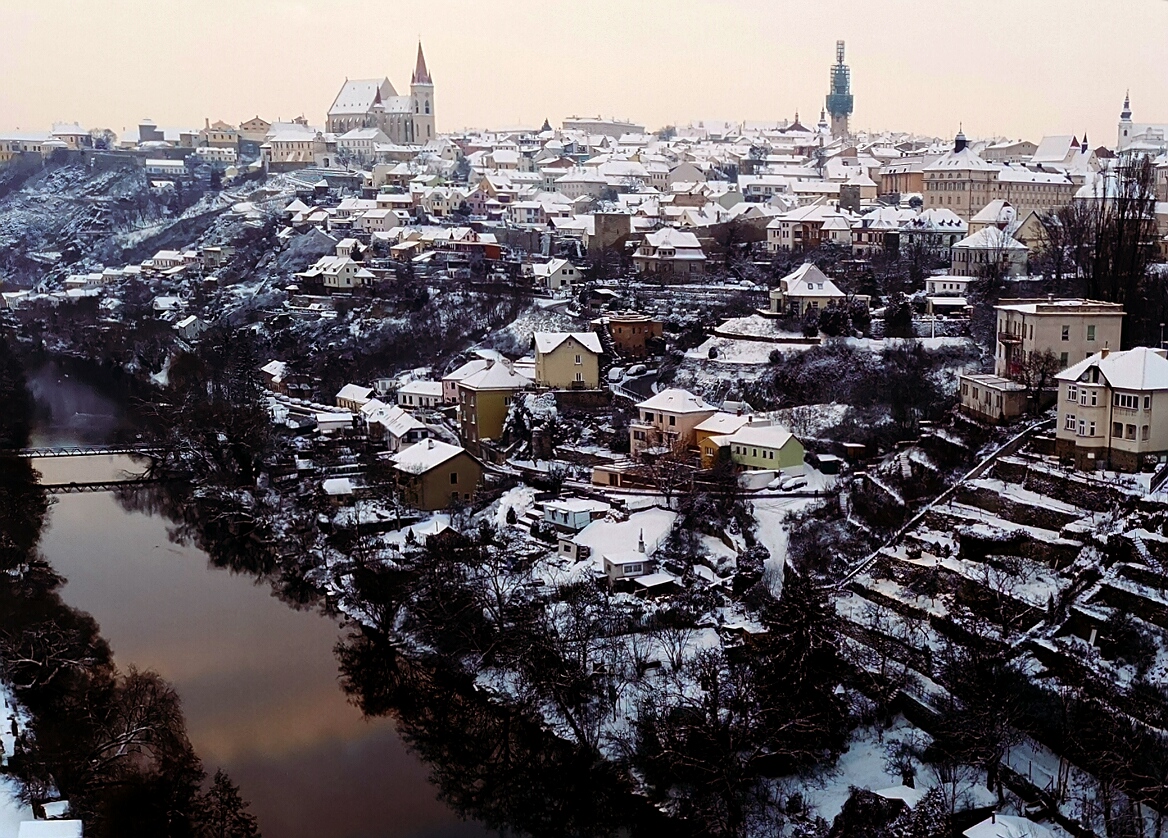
{"x":559,"y":368}
{"x":483,"y":412}
{"x":759,"y":457}
{"x":660,"y":431}
{"x":1042,"y":331}
{"x":435,"y":489}
{"x":631,"y":336}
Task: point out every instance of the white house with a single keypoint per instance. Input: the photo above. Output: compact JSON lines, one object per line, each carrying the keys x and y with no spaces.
{"x":671,"y":253}
{"x":1113,"y":410}
{"x":805,"y":288}
{"x":427,"y":394}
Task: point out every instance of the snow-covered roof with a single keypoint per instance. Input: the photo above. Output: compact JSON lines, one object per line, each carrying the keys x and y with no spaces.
{"x":496,"y":376}
{"x":990,"y":238}
{"x":675,"y":400}
{"x":422,"y":388}
{"x":1007,"y":826}
{"x":763,"y":436}
{"x":546,"y":342}
{"x":425,"y":455}
{"x":1141,"y":368}
{"x":808,"y":281}
{"x":911,"y":796}
{"x":723,"y":423}
{"x":50,"y":829}
{"x":355,"y":392}
{"x":672,"y":237}
{"x":606,"y":537}
{"x":1060,"y":306}
{"x":466,"y":370}
{"x":337,"y":486}
{"x":357,"y":96}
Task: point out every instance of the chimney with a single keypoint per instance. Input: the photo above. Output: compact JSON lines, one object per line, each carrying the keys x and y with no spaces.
{"x":993,"y":817}
{"x":207,"y":122}
{"x":641,"y":542}
{"x":1104,"y":352}
{"x":429,"y":444}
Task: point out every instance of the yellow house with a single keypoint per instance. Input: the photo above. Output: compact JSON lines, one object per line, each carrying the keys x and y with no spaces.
{"x":759,"y":448}
{"x":720,"y":424}
{"x":567,"y":360}
{"x":484,"y":399}
{"x":432,"y":474}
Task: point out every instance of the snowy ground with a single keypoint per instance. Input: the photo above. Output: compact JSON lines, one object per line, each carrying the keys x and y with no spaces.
{"x":732,"y":351}
{"x":12,"y":811}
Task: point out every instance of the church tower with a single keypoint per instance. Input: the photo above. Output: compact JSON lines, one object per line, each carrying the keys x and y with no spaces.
{"x":840,"y":100}
{"x":1125,"y":124}
{"x":422,"y":93}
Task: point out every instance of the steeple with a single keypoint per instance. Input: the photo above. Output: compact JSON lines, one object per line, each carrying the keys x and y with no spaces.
{"x":959,"y":142}
{"x":421,"y":74}
{"x":1126,"y":113}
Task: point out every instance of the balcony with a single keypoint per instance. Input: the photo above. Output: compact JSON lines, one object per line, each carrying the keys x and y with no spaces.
{"x":1007,"y":338}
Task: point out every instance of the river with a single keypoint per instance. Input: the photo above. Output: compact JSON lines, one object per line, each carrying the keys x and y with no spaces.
{"x":258,"y":679}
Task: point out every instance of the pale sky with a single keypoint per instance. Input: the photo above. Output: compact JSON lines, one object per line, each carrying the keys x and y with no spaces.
{"x":1019,"y":68}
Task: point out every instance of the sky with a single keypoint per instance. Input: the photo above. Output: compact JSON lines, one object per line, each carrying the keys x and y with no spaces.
{"x":1014,"y":68}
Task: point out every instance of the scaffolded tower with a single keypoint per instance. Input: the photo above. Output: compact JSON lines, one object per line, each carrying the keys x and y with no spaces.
{"x":840,"y":100}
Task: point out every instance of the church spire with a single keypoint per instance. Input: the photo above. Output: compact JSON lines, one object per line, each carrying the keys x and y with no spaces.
{"x":421,"y":74}
{"x":1126,"y":113}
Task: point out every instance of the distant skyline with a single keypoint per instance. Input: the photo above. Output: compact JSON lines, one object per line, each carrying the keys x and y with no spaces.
{"x":1015,"y":68}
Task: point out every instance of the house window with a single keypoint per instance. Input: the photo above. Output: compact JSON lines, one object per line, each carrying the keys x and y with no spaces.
{"x":1091,"y":429}
{"x":1090,"y":333}
{"x":579,"y":376}
{"x":1094,"y":398}
{"x":1130,"y":432}
{"x":633,"y":569}
{"x":453,"y":478}
{"x":579,"y":360}
{"x":1066,"y":332}
{"x":1147,"y":402}
{"x":1072,"y":393}
{"x":1117,"y":429}
{"x":1082,"y":428}
{"x":1063,"y":359}
{"x":1145,"y":432}
{"x":672,"y":420}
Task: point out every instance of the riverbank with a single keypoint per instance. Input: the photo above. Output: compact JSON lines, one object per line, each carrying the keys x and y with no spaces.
{"x":257,"y":674}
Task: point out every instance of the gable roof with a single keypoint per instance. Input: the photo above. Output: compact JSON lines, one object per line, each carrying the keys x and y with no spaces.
{"x":990,"y":238}
{"x":764,"y":436}
{"x":358,"y":96}
{"x":675,"y":400}
{"x":546,"y":342}
{"x":808,"y":281}
{"x":723,"y":423}
{"x":496,"y":376}
{"x":1141,"y":368}
{"x":423,"y":456}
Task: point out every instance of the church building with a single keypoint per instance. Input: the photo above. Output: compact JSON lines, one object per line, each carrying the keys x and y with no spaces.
{"x":373,"y":103}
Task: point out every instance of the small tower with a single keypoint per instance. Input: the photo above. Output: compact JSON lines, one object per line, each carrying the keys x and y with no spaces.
{"x":1125,"y":123}
{"x":422,"y":93}
{"x":822,"y":127}
{"x":840,"y":100}
{"x":959,"y":142}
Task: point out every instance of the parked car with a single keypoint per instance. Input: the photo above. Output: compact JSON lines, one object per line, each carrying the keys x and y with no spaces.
{"x":637,"y":369}
{"x":616,"y":374}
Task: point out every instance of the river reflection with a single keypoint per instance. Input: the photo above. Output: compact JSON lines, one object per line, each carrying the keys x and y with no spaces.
{"x":258,"y":679}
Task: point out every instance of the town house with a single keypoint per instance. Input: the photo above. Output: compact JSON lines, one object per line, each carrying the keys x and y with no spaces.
{"x":667,"y":421}
{"x":1113,"y":410}
{"x":567,"y":360}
